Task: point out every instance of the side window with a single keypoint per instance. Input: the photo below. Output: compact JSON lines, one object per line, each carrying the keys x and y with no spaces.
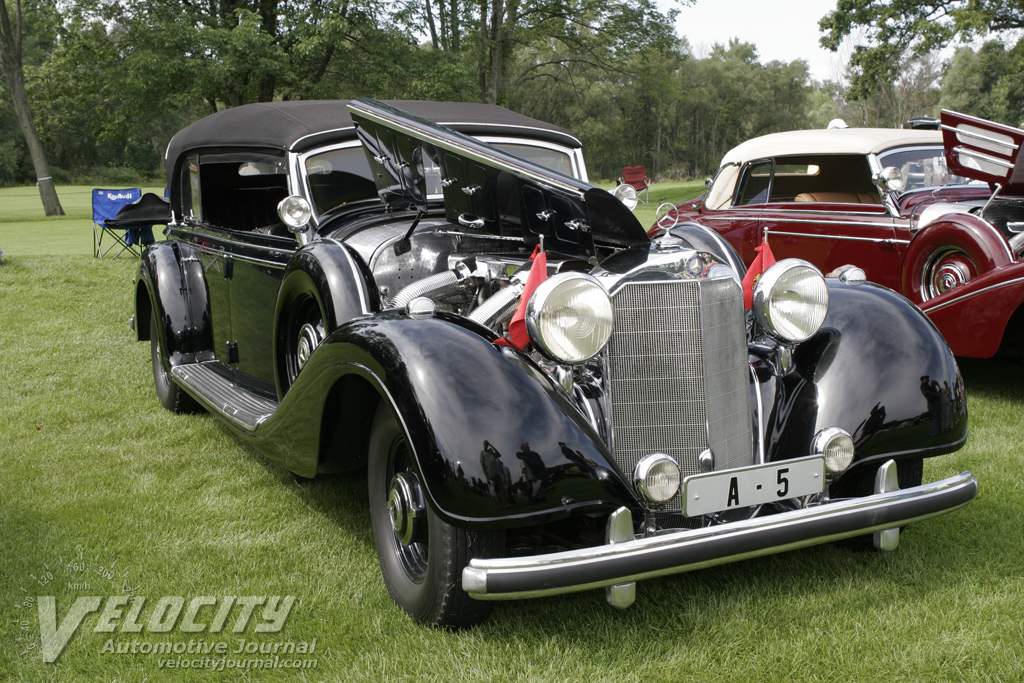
{"x":754,"y":185}
{"x":242,"y":195}
{"x":191,"y":199}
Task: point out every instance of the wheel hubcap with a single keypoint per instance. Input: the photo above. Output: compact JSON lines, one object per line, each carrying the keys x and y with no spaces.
{"x":945,"y":271}
{"x":309,"y":339}
{"x":405,"y":507}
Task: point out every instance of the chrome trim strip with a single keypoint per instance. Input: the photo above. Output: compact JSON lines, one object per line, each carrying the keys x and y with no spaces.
{"x":687,"y":550}
{"x":969,"y":295}
{"x":243,"y":259}
{"x":873,"y":240}
{"x":979,"y":136}
{"x":797,"y":207}
{"x":760,"y":416}
{"x":983,"y":157}
{"x":364,"y":294}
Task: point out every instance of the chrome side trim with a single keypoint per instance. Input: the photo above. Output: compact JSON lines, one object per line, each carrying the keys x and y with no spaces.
{"x":963,"y":151}
{"x":979,"y":136}
{"x":873,"y":240}
{"x":682,"y":551}
{"x":963,"y":297}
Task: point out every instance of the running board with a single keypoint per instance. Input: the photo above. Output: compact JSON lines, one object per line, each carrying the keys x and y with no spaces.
{"x":219,"y":394}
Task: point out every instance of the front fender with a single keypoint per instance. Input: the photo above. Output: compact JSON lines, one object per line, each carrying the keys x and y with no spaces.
{"x":497,"y":443}
{"x":880,"y":370}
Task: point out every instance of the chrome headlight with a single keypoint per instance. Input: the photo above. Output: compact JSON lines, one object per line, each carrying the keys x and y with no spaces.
{"x":657,"y":478}
{"x":295,"y":213}
{"x":791,"y":300}
{"x":569,"y":317}
{"x":837,"y":447}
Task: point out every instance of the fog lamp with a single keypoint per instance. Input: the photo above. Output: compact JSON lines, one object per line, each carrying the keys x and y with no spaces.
{"x":836,"y":446}
{"x":657,"y":478}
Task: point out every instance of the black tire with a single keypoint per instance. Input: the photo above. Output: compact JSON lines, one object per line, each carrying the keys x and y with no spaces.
{"x":299,"y":332}
{"x":909,"y":473}
{"x":423,"y":569}
{"x":171,"y":396}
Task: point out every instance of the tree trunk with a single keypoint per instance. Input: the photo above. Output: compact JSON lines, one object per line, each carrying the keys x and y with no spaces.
{"x":14,"y":77}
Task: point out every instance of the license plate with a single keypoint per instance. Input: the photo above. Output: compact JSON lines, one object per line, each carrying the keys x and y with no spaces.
{"x":756,"y":485}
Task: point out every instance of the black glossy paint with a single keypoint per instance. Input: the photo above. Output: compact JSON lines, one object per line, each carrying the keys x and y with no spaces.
{"x":863,"y":372}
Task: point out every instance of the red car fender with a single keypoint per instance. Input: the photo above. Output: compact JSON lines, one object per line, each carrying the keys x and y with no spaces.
{"x":949,"y":253}
{"x":975,"y":317}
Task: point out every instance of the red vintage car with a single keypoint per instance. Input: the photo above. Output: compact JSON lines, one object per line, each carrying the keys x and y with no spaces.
{"x":935,"y":215}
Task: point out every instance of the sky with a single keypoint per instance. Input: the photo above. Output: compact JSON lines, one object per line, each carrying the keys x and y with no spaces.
{"x":782,"y":30}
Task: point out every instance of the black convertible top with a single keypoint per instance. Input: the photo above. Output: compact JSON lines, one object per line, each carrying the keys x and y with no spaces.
{"x":301,"y":125}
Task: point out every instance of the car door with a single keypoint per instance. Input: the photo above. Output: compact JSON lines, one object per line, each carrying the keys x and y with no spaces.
{"x":826,"y":211}
{"x":244,"y":249}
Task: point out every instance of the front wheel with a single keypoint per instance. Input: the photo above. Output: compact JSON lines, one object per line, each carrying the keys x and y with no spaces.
{"x":421,"y":556}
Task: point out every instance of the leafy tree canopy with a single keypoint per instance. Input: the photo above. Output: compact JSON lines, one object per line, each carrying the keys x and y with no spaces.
{"x":894,"y":28}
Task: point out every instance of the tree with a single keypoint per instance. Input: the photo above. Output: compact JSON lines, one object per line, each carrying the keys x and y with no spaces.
{"x":491,"y":37}
{"x":12,"y":75}
{"x":895,"y":28}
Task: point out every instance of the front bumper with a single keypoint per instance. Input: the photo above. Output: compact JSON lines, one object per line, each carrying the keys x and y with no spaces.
{"x":644,"y":558}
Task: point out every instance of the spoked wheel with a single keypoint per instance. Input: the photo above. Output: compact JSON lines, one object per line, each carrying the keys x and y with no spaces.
{"x":299,"y":334}
{"x":170,"y":394}
{"x":421,"y":556}
{"x":945,"y":270}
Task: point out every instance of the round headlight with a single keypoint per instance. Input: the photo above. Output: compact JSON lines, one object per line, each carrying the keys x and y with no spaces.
{"x":791,"y":300}
{"x":569,"y":317}
{"x":837,"y":447}
{"x":295,"y":212}
{"x":657,"y":478}
{"x":627,"y":195}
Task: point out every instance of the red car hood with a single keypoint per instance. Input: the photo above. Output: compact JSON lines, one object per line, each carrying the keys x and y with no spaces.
{"x":983,"y":150}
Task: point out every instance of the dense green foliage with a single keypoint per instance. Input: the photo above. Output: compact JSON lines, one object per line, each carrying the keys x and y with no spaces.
{"x":111,"y":80}
{"x":895,"y":28}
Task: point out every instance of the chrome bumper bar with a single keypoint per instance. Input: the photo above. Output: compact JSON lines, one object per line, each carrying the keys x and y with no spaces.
{"x":644,"y":558}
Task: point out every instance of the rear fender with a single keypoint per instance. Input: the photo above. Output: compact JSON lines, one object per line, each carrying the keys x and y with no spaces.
{"x":171,"y":284}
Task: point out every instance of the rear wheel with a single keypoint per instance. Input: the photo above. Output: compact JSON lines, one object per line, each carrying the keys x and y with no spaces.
{"x":170,"y":394}
{"x":421,"y":556}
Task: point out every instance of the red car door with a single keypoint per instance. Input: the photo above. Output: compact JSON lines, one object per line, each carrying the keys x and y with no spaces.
{"x":830,"y":235}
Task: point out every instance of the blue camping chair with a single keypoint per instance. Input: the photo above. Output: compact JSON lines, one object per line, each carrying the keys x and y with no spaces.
{"x":105,"y":205}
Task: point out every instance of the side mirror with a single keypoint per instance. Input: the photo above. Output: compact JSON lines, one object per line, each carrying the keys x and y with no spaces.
{"x":627,"y":195}
{"x":889,"y":179}
{"x":707,"y":183}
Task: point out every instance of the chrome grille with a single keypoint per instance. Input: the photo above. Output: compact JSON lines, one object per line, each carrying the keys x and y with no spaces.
{"x":679,"y":380}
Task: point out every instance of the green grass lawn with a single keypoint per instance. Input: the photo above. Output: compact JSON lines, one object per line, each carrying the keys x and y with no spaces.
{"x":25,"y":230}
{"x":102,"y":492}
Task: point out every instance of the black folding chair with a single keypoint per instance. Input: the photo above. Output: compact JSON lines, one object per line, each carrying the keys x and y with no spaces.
{"x":105,"y":205}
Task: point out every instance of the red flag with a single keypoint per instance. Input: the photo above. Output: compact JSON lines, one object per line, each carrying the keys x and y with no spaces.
{"x":762,"y":262}
{"x":517,"y":333}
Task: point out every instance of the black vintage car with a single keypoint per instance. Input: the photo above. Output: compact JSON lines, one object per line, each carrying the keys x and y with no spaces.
{"x":544,"y":399}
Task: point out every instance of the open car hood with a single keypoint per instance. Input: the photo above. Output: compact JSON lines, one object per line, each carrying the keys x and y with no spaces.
{"x":984,"y":150}
{"x":487,"y":190}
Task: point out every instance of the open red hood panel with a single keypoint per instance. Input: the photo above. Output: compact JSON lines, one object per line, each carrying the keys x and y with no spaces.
{"x":983,"y":150}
